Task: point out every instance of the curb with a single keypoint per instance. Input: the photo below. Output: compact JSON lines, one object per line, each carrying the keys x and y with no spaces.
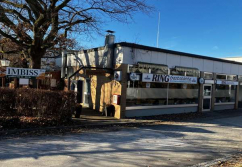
{"x":98,"y":125}
{"x":213,"y":162}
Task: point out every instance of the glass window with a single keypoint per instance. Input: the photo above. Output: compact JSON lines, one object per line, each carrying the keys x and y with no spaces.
{"x":240,"y":78}
{"x":174,"y":72}
{"x":225,"y":93}
{"x":207,"y":90}
{"x":182,"y":94}
{"x":135,"y":69}
{"x":208,"y":75}
{"x":184,"y":73}
{"x":221,"y":76}
{"x":139,"y":95}
{"x":231,"y":77}
{"x":157,"y":93}
{"x":158,"y":71}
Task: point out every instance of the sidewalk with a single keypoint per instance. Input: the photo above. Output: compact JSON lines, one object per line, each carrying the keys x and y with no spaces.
{"x":99,"y":122}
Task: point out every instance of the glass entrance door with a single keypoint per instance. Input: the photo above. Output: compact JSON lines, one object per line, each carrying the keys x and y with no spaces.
{"x":207,"y":96}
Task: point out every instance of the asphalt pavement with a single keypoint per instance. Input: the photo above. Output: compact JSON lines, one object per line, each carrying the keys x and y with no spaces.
{"x":168,"y":144}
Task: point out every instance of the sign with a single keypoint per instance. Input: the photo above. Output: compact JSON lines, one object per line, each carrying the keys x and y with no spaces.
{"x":147,"y":85}
{"x":168,"y":78}
{"x":134,"y":77}
{"x":23,"y":81}
{"x":53,"y":83}
{"x":24,"y":72}
{"x":224,"y":82}
{"x":209,"y":81}
{"x":116,"y":99}
{"x":117,"y":75}
{"x":201,"y":80}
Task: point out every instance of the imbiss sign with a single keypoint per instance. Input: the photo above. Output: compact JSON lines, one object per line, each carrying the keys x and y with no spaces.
{"x":24,"y":72}
{"x":168,"y":78}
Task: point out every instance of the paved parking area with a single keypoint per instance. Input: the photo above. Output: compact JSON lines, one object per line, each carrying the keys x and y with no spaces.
{"x":168,"y":144}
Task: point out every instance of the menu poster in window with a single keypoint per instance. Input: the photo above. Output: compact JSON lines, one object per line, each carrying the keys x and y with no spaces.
{"x":168,"y":78}
{"x":147,"y":85}
{"x":224,"y":82}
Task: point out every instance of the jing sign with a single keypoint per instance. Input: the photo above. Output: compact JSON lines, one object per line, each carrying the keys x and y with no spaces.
{"x":168,"y":78}
{"x":24,"y":72}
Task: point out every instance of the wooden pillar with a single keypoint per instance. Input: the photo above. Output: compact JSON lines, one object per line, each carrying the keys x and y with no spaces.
{"x":213,"y":92}
{"x":200,"y":94}
{"x":124,"y":81}
{"x":236,"y":96}
{"x":38,"y":83}
{"x":3,"y":81}
{"x":15,"y":83}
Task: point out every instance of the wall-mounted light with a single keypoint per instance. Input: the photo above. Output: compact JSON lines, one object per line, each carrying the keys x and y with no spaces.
{"x":5,"y":62}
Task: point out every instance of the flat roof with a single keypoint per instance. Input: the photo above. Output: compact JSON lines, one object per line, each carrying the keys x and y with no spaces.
{"x":133,"y":45}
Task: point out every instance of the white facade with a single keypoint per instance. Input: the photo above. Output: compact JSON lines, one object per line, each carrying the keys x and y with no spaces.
{"x":128,"y":55}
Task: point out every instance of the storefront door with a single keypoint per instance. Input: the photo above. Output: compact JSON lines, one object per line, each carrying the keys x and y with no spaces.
{"x":207,"y":96}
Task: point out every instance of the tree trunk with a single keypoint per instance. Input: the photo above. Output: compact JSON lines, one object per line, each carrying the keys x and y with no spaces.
{"x":36,"y":55}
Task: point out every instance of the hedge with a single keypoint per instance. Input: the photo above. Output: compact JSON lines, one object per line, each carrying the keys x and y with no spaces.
{"x":56,"y":105}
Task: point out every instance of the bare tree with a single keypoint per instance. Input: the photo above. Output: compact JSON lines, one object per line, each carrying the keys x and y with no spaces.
{"x":38,"y":25}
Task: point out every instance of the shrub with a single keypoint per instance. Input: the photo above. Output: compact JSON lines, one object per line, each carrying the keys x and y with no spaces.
{"x":55,"y":105}
{"x":7,"y":101}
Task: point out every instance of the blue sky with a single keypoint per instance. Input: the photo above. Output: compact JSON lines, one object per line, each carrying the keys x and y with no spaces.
{"x":206,"y":27}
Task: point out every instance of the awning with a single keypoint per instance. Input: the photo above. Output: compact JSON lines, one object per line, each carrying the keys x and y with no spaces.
{"x":153,"y":66}
{"x":187,"y":69}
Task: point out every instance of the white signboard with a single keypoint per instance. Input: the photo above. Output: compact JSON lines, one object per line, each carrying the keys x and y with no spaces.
{"x":53,"y":82}
{"x":24,"y":72}
{"x":23,"y":81}
{"x":224,"y":82}
{"x":209,"y":81}
{"x":168,"y":78}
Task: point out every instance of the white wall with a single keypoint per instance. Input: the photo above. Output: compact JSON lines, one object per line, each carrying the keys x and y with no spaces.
{"x":129,"y":55}
{"x":91,"y":58}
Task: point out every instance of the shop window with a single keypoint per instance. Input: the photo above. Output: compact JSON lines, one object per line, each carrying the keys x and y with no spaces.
{"x":139,"y":95}
{"x":174,"y":72}
{"x":136,"y":69}
{"x":158,"y":93}
{"x":158,"y":71}
{"x":240,"y":78}
{"x":231,"y":77}
{"x":225,"y":93}
{"x":221,"y":76}
{"x":208,"y":76}
{"x":182,"y":94}
{"x":184,"y":73}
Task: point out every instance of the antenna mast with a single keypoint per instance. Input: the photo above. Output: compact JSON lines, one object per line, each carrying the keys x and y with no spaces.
{"x":158,"y":32}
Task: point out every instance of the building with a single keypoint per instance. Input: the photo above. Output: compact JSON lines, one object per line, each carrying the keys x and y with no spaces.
{"x":142,"y":81}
